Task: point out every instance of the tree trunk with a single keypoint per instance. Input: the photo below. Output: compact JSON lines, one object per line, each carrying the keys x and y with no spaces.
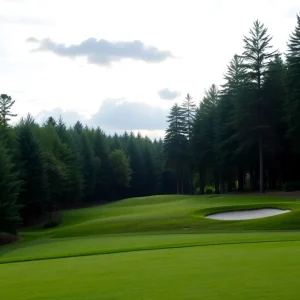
{"x":261,"y":164}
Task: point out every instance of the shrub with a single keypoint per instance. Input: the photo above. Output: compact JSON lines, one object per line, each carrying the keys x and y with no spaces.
{"x":209,"y":189}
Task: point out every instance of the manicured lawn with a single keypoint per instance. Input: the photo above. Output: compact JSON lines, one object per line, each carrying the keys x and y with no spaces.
{"x":175,"y":213}
{"x":245,"y":271}
{"x":58,"y":248}
{"x":159,"y":247}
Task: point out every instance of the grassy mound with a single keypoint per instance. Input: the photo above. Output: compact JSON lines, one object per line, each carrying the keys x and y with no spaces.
{"x":175,"y":213}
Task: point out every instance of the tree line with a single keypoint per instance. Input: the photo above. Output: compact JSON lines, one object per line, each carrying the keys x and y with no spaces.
{"x":245,"y":134}
{"x":48,"y":167}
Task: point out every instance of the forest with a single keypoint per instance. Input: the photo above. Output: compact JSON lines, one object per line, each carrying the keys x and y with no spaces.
{"x":242,"y":136}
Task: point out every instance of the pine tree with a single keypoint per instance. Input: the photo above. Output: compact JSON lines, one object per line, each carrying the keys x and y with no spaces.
{"x":34,"y":195}
{"x":204,"y":136}
{"x":55,"y":154}
{"x":293,"y":87}
{"x":227,"y":139}
{"x":150,"y":169}
{"x":189,"y":112}
{"x":276,"y":144}
{"x":101,"y":151}
{"x":120,"y":172}
{"x":134,"y":152}
{"x":72,"y":158}
{"x":88,"y":160}
{"x":6,"y":104}
{"x":9,"y":193}
{"x":257,"y":57}
{"x":176,"y":144}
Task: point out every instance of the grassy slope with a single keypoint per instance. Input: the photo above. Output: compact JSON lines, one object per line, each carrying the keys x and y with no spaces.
{"x":229,"y":261}
{"x":176,"y":213}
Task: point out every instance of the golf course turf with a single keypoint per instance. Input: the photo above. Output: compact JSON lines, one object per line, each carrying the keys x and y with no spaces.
{"x":159,"y":247}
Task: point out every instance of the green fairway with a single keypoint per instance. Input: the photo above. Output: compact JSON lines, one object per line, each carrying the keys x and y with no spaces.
{"x":246,"y":271}
{"x":158,"y":247}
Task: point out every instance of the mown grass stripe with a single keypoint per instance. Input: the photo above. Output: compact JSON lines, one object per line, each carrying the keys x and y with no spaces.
{"x":139,"y":249}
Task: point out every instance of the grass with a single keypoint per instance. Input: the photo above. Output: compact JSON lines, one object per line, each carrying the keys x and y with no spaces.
{"x":158,"y":247}
{"x":246,"y":271}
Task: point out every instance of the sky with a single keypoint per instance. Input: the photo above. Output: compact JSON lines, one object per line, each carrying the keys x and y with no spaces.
{"x":121,"y":64}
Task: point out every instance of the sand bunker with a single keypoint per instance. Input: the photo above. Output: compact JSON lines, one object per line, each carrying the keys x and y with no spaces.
{"x":247,"y":214}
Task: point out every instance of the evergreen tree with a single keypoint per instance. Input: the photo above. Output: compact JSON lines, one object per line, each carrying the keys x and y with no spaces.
{"x":151,"y":169}
{"x":204,"y":137}
{"x":189,"y":111}
{"x":228,"y":151}
{"x":72,"y":158}
{"x":137,"y":165}
{"x":101,"y":151}
{"x":120,"y":172}
{"x":176,"y":144}
{"x":293,"y":88}
{"x":257,"y":57}
{"x":88,"y":163}
{"x":6,"y":104}
{"x":276,"y":148}
{"x":9,"y":193}
{"x":34,"y":195}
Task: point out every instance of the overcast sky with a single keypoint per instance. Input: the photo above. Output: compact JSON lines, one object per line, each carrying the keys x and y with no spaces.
{"x":121,"y":64}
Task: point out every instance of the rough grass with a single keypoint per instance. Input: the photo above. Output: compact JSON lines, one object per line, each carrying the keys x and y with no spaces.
{"x":159,"y":247}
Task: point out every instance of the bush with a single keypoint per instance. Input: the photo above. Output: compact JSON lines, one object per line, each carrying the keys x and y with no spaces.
{"x":209,"y":189}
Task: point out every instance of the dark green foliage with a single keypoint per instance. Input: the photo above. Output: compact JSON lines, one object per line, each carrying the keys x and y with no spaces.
{"x":134,"y":152}
{"x":257,"y":57}
{"x":6,"y":104}
{"x":293,"y":87}
{"x":175,"y":144}
{"x":34,"y":195}
{"x":120,"y":170}
{"x":9,"y":193}
{"x":204,"y":136}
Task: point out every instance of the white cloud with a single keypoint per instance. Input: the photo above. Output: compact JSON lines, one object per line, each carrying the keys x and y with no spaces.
{"x":103,"y":52}
{"x":167,"y":94}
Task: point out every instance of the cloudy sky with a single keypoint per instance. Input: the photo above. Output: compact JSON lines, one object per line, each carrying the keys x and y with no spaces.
{"x":121,"y":64}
